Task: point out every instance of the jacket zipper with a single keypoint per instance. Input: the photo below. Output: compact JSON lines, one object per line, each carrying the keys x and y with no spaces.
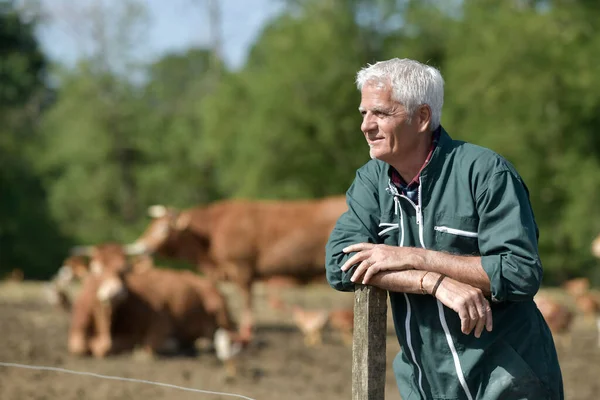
{"x":408,"y":306}
{"x":457,"y":232}
{"x":442,"y":315}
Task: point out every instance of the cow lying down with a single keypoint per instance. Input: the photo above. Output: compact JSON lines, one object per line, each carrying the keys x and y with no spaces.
{"x":123,"y":305}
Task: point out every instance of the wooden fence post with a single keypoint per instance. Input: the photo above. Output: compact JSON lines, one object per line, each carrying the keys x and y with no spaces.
{"x":368,"y":348}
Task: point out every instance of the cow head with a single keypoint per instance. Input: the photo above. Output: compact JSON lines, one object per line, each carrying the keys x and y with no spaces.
{"x":166,"y":221}
{"x":109,"y":265}
{"x":75,"y":267}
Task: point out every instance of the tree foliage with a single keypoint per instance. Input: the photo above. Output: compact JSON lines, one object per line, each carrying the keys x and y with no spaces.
{"x":30,"y":239}
{"x":288,"y":122}
{"x":522,"y":77}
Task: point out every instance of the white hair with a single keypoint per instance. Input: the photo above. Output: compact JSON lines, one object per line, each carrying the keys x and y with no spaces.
{"x":413,"y":84}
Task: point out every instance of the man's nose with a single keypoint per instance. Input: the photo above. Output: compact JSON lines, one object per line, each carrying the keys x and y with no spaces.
{"x":368,"y":123}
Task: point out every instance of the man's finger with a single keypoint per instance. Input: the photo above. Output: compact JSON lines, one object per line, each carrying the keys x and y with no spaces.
{"x":488,"y":317}
{"x":473,"y":317}
{"x":481,"y":305}
{"x":480,"y":325}
{"x":355,"y":259}
{"x":465,"y":321}
{"x":360,"y":271}
{"x":358,"y":247}
{"x":371,"y":271}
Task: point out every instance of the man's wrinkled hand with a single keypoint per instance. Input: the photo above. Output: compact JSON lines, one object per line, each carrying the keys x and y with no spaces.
{"x":472,"y":307}
{"x":374,"y":258}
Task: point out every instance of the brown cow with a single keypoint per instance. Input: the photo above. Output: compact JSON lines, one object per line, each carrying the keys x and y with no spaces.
{"x":122,"y":306}
{"x":246,"y":241}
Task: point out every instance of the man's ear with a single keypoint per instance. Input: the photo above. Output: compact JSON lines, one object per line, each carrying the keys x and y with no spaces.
{"x":423,"y":116}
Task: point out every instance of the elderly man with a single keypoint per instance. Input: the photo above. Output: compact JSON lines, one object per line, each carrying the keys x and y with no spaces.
{"x":446,"y":227}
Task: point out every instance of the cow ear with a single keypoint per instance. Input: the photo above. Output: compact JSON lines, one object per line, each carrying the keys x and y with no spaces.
{"x":182,"y":221}
{"x":80,"y":270}
{"x":157,"y":211}
{"x":81,"y":264}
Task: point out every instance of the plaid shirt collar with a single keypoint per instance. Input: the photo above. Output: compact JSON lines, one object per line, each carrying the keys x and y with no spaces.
{"x":410,"y":189}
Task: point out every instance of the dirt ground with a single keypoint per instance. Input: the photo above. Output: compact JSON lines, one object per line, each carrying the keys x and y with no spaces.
{"x":278,"y":366}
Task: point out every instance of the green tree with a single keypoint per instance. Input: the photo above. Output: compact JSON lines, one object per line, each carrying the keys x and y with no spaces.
{"x":175,"y":169}
{"x":90,"y":167}
{"x":29,"y":238}
{"x":525,"y":81}
{"x":88,"y":152}
{"x":287,"y":123}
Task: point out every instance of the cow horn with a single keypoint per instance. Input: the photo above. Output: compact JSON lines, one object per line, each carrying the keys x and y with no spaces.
{"x":157,"y":211}
{"x":82,"y":251}
{"x":135,"y":249}
{"x":183,"y":221}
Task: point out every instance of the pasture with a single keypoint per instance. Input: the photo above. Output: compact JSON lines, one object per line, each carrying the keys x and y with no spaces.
{"x":277,"y":366}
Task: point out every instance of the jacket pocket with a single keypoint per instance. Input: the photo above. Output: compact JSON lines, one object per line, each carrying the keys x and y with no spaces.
{"x":389,"y":228}
{"x":505,"y":375}
{"x":456,"y":235}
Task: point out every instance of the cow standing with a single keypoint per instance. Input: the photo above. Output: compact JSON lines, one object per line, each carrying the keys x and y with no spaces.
{"x":246,"y":241}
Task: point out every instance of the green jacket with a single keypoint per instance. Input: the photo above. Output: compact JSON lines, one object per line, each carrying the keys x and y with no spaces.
{"x":471,"y":202}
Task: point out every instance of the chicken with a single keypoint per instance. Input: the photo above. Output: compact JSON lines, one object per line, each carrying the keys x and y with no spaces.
{"x":16,"y":275}
{"x":274,"y":286}
{"x":576,"y":287}
{"x":557,"y":316}
{"x":311,"y":324}
{"x":342,"y":321}
{"x":588,"y":304}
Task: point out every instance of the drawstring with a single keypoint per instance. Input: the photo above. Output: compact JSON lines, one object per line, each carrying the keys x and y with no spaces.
{"x":390,"y":226}
{"x":397,"y":201}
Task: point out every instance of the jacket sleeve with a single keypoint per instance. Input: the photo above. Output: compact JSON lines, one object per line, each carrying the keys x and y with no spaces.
{"x":508,"y":238}
{"x":357,"y":225}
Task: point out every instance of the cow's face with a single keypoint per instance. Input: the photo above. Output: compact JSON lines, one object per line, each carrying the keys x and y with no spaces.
{"x":74,"y":267}
{"x":108,"y":264}
{"x":166,"y":222}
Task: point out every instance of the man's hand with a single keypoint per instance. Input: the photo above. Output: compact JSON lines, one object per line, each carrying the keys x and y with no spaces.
{"x":374,"y":258}
{"x":472,"y":307}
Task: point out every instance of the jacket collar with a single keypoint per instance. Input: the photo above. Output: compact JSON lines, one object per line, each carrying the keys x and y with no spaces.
{"x":429,"y":173}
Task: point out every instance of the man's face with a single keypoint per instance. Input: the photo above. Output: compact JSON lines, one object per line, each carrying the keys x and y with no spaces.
{"x":385,"y":124}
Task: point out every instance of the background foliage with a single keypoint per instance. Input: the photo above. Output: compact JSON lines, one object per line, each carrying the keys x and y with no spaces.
{"x":84,"y":150}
